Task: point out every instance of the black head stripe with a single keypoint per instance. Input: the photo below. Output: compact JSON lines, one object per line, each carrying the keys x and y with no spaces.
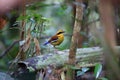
{"x":59,"y":33}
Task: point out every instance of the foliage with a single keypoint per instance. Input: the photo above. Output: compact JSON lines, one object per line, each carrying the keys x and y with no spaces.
{"x":97,"y":72}
{"x":42,"y":19}
{"x":82,"y":72}
{"x":98,"y":69}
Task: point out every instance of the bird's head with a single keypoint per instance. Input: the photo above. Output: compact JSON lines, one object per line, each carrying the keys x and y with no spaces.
{"x":60,"y":31}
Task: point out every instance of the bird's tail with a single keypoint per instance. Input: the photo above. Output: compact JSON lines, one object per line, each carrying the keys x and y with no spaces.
{"x":46,"y":43}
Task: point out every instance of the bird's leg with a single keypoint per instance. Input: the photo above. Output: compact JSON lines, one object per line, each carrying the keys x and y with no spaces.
{"x":55,"y":51}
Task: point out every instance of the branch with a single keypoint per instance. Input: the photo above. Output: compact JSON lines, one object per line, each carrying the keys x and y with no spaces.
{"x":84,"y":57}
{"x":8,"y":49}
{"x":92,"y":22}
{"x":22,"y":33}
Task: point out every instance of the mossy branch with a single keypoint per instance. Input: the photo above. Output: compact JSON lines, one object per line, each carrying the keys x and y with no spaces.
{"x":84,"y":57}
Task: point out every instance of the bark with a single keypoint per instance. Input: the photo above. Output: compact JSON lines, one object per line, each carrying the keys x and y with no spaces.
{"x":74,"y":41}
{"x":84,"y":56}
{"x":106,"y":14}
{"x":84,"y":27}
{"x":22,"y":34}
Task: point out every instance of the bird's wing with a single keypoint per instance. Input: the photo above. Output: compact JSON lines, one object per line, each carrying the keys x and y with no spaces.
{"x":53,"y":38}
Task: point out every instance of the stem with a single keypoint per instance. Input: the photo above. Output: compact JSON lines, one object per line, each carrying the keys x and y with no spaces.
{"x":22,"y":55}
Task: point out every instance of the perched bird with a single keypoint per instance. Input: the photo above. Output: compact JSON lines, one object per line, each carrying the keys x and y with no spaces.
{"x":57,"y":39}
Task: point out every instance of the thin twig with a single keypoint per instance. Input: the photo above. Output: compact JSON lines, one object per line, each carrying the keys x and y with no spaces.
{"x":17,"y":58}
{"x":92,"y":22}
{"x":8,"y":49}
{"x":12,"y":28}
{"x":22,"y":33}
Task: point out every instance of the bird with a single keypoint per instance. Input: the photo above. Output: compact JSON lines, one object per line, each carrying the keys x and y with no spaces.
{"x":57,"y":39}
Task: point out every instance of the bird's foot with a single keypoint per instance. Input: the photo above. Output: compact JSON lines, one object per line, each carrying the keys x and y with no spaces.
{"x":55,"y":51}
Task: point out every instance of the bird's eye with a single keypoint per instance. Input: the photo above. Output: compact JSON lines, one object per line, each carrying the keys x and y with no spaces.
{"x":59,"y":32}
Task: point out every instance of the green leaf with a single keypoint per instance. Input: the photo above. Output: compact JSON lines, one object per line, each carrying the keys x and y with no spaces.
{"x":85,"y":69}
{"x":79,"y":73}
{"x":97,"y":70}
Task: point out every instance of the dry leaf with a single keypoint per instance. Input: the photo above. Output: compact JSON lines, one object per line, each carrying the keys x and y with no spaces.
{"x":27,"y":41}
{"x":37,"y":46}
{"x":2,"y":23}
{"x":62,"y":75}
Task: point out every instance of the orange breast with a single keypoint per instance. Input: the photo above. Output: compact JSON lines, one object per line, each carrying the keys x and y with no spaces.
{"x":59,"y":40}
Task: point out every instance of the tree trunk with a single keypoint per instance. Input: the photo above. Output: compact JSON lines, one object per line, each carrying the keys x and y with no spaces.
{"x":74,"y":41}
{"x":107,"y":18}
